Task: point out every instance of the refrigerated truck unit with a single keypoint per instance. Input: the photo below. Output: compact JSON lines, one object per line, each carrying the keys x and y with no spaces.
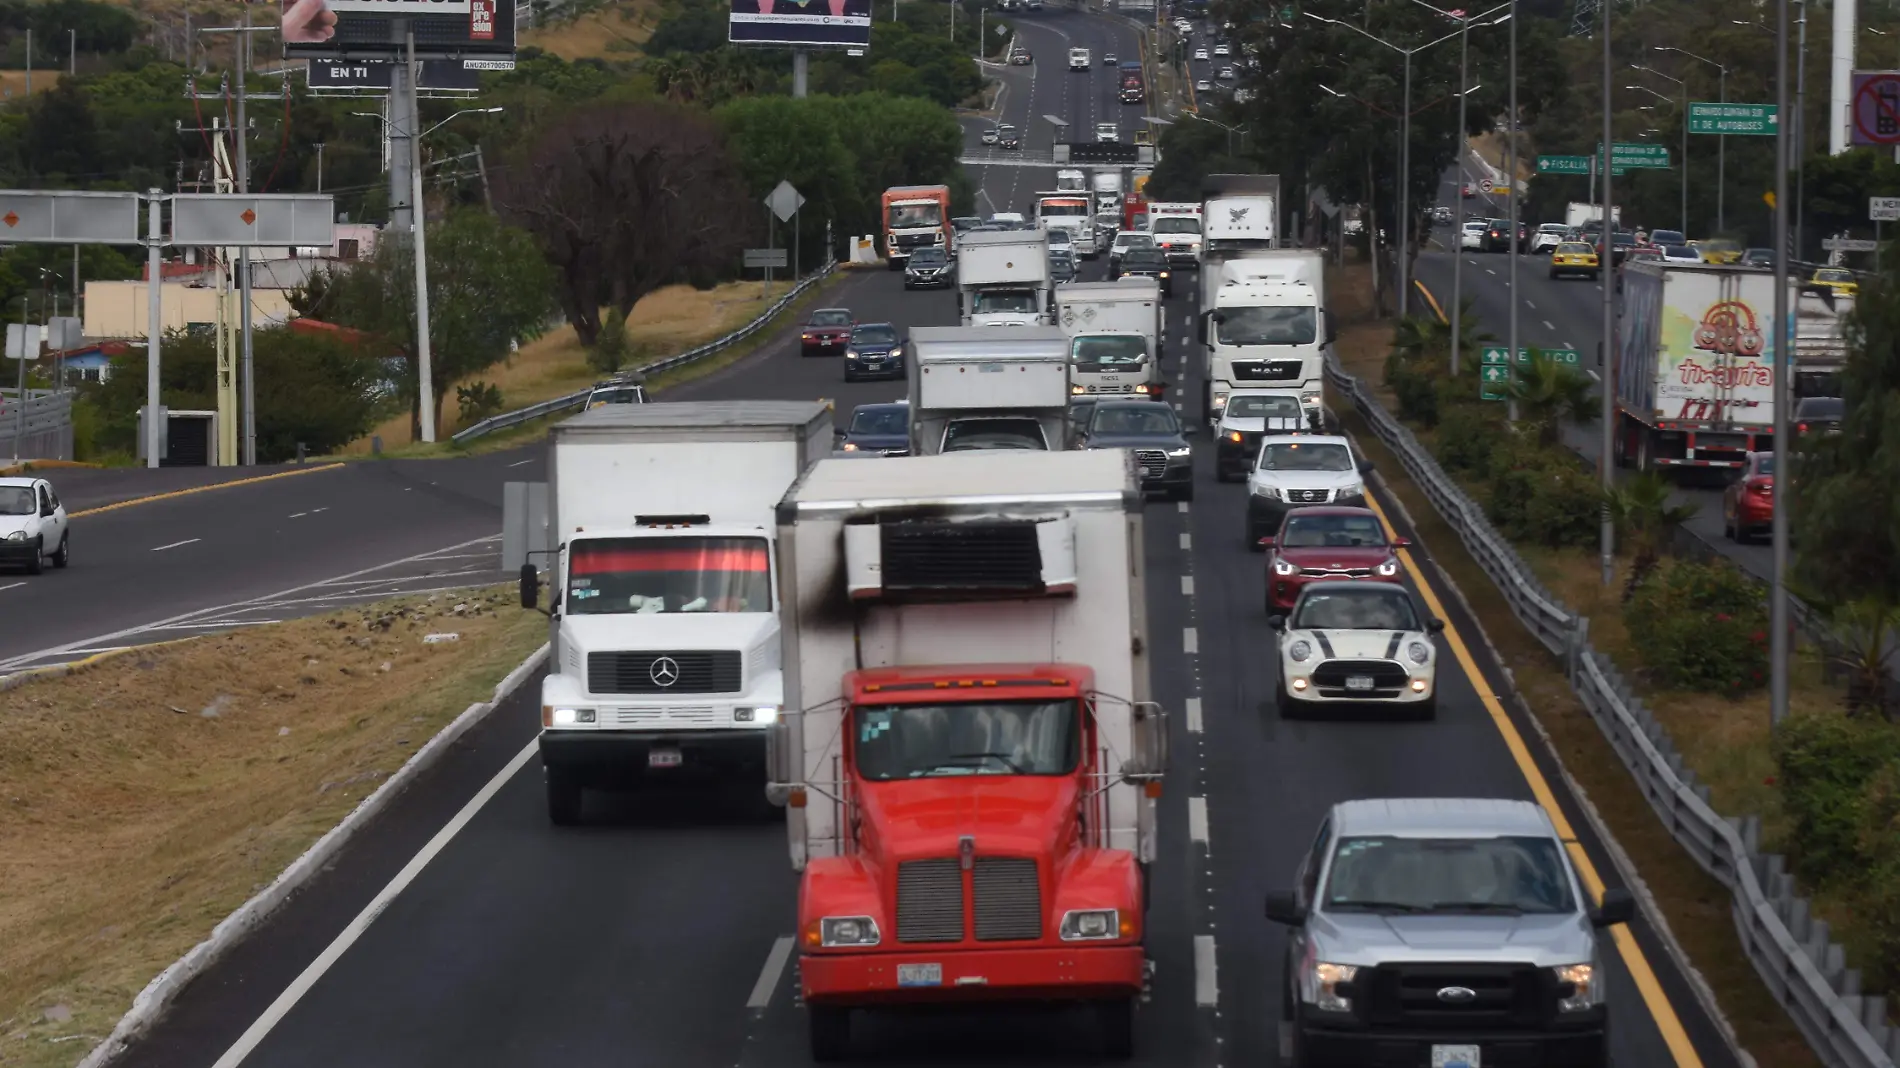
{"x":966,"y":381}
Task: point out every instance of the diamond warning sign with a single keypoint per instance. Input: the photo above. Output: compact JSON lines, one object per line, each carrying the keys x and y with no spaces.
{"x":249,"y":217}
{"x":10,"y":218}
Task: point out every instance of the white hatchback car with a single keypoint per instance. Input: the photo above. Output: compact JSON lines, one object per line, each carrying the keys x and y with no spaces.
{"x":33,"y":526}
{"x":1222,"y":49}
{"x":1355,"y":643}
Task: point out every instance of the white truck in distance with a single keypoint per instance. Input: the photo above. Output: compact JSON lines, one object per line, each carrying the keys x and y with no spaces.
{"x":1003,"y":278}
{"x":1107,"y":183}
{"x":1176,"y":228}
{"x":1071,"y":180}
{"x":1079,"y":59}
{"x":664,"y":652}
{"x":1070,"y":213}
{"x":976,"y":388}
{"x":1114,"y":333}
{"x":1265,"y":326}
{"x":1582,"y":213}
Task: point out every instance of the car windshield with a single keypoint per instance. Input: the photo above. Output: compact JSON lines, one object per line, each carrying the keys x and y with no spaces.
{"x":1358,"y":608}
{"x":607,"y":576}
{"x":1515,"y":874}
{"x":1551,"y":228}
{"x":1176,"y":224}
{"x":1270,"y":325}
{"x":1017,"y":433}
{"x":1305,"y":456}
{"x":1666,"y":237}
{"x":1575,"y":248}
{"x":1679,"y":252}
{"x":1143,"y":259}
{"x":925,"y":257}
{"x":1263,"y":407}
{"x":1115,"y":350}
{"x":831,"y":317}
{"x":1833,"y":276}
{"x":1013,"y":301}
{"x":1132,"y":419}
{"x":1062,"y":208}
{"x":915,"y":215}
{"x":881,"y":421}
{"x":1765,"y":463}
{"x":1821,"y":408}
{"x":16,"y":500}
{"x":1622,"y":239}
{"x":874,"y":335}
{"x":1005,"y":131}
{"x":1307,"y":531}
{"x":617,"y":395}
{"x":1132,"y":240}
{"x":894,"y":742}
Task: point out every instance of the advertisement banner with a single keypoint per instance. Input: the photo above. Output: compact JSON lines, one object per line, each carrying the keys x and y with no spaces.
{"x":820,"y":23}
{"x":1715,"y":363}
{"x":357,"y":29}
{"x":437,"y":74}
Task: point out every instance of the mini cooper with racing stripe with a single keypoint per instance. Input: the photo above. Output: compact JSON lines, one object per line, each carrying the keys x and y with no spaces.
{"x":1356,"y":643}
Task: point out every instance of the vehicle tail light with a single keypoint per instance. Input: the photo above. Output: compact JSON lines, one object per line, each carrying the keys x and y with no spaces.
{"x":1801,"y":429}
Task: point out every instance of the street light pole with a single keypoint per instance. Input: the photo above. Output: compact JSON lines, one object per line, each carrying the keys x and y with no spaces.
{"x":1682,"y":165}
{"x":1784,"y":396}
{"x":1464,"y":149}
{"x":1606,"y":388}
{"x":1721,"y":140}
{"x":1510,"y":176}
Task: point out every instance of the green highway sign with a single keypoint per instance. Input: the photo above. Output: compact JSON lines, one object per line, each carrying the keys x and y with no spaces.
{"x":1563,"y":165}
{"x":1757,"y":119}
{"x":1631,"y":154}
{"x":1568,"y":356}
{"x":1495,"y":367}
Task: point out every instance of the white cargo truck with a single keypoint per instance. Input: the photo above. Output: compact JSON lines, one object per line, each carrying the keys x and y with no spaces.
{"x":1003,"y":278}
{"x":977,"y":388}
{"x":1107,"y":183}
{"x":1265,"y":325}
{"x":1070,"y":180}
{"x":970,"y":756}
{"x":665,"y":644}
{"x":1114,"y":333}
{"x":1070,"y":213}
{"x":1583,"y":213}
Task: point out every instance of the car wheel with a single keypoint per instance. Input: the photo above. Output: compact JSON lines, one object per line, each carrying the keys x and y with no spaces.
{"x":65,"y":553}
{"x":37,"y":563}
{"x":830,"y":1028}
{"x":1115,"y":1019}
{"x":564,"y":798}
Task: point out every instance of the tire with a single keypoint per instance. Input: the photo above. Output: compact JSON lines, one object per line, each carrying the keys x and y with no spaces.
{"x":65,"y":553}
{"x":38,"y":563}
{"x":830,"y":1028}
{"x":1115,"y":1020}
{"x":564,"y":798}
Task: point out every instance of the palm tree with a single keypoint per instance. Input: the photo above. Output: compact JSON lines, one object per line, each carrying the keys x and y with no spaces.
{"x":1865,"y":630}
{"x":1548,"y":394}
{"x":1645,"y":519}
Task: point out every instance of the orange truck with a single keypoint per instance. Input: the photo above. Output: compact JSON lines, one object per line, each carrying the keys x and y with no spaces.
{"x":914,"y":216}
{"x":968,"y":753}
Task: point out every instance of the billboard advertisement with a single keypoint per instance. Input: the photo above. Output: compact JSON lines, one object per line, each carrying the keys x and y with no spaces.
{"x":360,"y":29}
{"x":437,"y":74}
{"x":819,"y":23}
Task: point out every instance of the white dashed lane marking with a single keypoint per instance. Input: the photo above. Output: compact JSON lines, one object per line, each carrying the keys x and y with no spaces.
{"x":1194,"y":724}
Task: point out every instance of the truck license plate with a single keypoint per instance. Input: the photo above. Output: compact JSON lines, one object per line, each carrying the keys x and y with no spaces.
{"x":663,"y":758}
{"x":1364,"y":682}
{"x":926,"y":975}
{"x":1455,"y":1057}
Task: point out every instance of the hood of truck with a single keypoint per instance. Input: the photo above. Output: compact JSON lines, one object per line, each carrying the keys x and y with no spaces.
{"x":1543,"y":940}
{"x":669,"y":632}
{"x":1019,"y":815}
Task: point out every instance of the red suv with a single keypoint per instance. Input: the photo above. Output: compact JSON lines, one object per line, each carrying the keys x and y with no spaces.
{"x":828,"y":333}
{"x":1328,"y":544}
{"x":1748,"y":504}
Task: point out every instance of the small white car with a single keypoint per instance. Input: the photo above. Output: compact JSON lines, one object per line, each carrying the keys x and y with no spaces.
{"x":1293,"y":471}
{"x":1222,"y":49}
{"x":1060,"y":239}
{"x":1125,"y":240}
{"x":1200,"y":54}
{"x":1356,"y":643}
{"x":1108,"y":133}
{"x":33,"y":527}
{"x":1473,"y":234}
{"x":1226,"y":74}
{"x":1109,"y":60}
{"x":1548,"y":237}
{"x":989,"y":136}
{"x":1203,"y":86}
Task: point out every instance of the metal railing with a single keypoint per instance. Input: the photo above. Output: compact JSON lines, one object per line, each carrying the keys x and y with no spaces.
{"x":1803,"y":969}
{"x":574,"y":400}
{"x":47,"y":433}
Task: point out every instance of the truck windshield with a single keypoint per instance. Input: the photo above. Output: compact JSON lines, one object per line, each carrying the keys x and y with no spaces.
{"x":1175,"y":224}
{"x":1097,"y":353}
{"x":1052,"y":208}
{"x":606,"y":576}
{"x":905,"y":216}
{"x":1288,"y":325}
{"x":1304,"y":456}
{"x":1005,"y":301}
{"x":1010,"y":432}
{"x":894,"y":742}
{"x":1504,"y":874}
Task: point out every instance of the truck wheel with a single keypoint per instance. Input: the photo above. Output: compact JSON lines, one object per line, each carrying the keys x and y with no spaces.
{"x":1116,"y":1020}
{"x":564,"y":798}
{"x":830,"y":1032}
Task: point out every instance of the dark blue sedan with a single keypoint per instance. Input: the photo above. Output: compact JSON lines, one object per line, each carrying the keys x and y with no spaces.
{"x":876,"y":350}
{"x":879,"y":429}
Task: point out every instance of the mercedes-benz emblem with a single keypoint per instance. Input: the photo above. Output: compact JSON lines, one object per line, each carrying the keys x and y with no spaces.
{"x":666,"y":671}
{"x":1457,"y":994}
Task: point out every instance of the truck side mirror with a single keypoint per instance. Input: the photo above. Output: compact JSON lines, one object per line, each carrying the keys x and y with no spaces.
{"x":1148,"y":758}
{"x":1332,"y":329}
{"x":1201,"y":327}
{"x":781,"y":761}
{"x":1283,"y":907}
{"x":530,"y":587}
{"x":1618,"y":907}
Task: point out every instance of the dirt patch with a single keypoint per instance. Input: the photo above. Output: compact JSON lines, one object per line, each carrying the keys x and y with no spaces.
{"x":149,"y":796}
{"x":614,"y":32}
{"x":1491,"y":146}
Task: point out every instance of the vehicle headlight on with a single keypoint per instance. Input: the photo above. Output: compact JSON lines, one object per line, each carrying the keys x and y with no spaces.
{"x":897,"y":353}
{"x":1419,"y":652}
{"x":567,"y":717}
{"x":1310,"y":400}
{"x":1091,"y":925}
{"x":851,"y":354}
{"x":847,"y":931}
{"x":1234,"y":436}
{"x":1388,"y":569}
{"x":1180,"y":453}
{"x":1586,"y":991}
{"x":850,"y":446}
{"x":1220,"y":402}
{"x":1300,"y":652}
{"x":1321,"y":985}
{"x":757,"y":714}
{"x":1281,"y":567}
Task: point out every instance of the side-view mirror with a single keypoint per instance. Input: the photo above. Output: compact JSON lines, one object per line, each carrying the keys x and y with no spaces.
{"x":1365,"y":467}
{"x":46,"y":511}
{"x":781,"y":761}
{"x":1433,"y":626}
{"x":1266,"y":542}
{"x":1276,"y":623}
{"x":1200,"y":327}
{"x":1148,"y":746}
{"x":1332,"y":330}
{"x":530,"y":587}
{"x":1401,"y":543}
{"x":1618,"y":907}
{"x":1283,"y":907}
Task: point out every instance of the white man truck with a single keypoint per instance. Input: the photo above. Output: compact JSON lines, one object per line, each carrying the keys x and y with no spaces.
{"x":1114,"y":333}
{"x":1003,"y":278}
{"x":970,"y":756}
{"x":1071,"y":213}
{"x":1070,"y":180}
{"x":1265,"y":326}
{"x":664,"y":657}
{"x":976,"y":388}
{"x":1176,"y":228}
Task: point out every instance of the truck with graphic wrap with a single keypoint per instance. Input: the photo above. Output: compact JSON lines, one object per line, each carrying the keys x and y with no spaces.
{"x":915,"y":216}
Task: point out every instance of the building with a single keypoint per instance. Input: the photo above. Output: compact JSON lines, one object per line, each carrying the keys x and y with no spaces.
{"x":118,"y":309}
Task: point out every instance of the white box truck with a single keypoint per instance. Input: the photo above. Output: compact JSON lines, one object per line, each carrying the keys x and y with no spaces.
{"x":1107,"y":183}
{"x":665,"y":642}
{"x":970,"y":754}
{"x":1265,"y":325}
{"x":976,"y":388}
{"x":1239,"y":220}
{"x":1003,"y":278}
{"x":1114,"y":333}
{"x":1071,"y":213}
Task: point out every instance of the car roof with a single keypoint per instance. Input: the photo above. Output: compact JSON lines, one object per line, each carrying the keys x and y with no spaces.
{"x":1441,"y":817}
{"x":1306,"y":439}
{"x":880,"y":406}
{"x":825,"y":311}
{"x":864,"y":326}
{"x":19,"y":481}
{"x":1118,"y":403}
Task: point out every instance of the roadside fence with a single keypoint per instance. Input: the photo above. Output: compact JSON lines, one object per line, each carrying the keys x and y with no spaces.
{"x":47,"y":432}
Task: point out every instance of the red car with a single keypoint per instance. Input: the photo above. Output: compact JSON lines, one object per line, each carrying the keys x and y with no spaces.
{"x":828,"y":333}
{"x":1748,"y":504}
{"x":1328,"y":544}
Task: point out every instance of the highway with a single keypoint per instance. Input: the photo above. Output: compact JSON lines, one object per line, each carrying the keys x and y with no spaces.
{"x":463,"y":929}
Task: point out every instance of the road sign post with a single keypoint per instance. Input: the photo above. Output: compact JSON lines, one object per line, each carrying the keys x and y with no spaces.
{"x":1883,"y":209}
{"x":1760,"y":120}
{"x":1876,"y":108}
{"x":1497,"y":367}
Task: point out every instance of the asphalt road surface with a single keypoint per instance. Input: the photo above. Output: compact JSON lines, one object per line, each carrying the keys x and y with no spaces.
{"x":463,"y":929}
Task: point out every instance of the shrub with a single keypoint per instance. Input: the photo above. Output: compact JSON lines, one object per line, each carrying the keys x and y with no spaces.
{"x":1542,"y":496}
{"x":1701,"y":627}
{"x":1414,"y":382}
{"x":477,"y":401}
{"x":1468,"y":440}
{"x":1879,"y":906}
{"x":612,"y":348}
{"x":1837,"y":780}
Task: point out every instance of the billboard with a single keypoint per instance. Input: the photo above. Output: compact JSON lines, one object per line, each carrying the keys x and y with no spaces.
{"x":438,"y":74}
{"x":819,"y":23}
{"x":367,"y":29}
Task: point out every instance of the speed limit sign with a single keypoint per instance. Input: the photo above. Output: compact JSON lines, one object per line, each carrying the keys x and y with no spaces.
{"x":1486,"y":185}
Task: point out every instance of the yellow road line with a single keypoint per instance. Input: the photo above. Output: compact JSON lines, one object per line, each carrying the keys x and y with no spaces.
{"x":202,"y":489}
{"x":1660,"y":1009}
{"x":1433,"y":301}
{"x":81,"y":664}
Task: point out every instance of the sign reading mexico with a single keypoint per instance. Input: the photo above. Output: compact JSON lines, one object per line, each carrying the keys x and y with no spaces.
{"x":444,"y":29}
{"x":834,"y":23}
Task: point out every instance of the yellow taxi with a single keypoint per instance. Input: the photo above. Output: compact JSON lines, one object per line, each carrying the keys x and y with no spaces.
{"x":1838,"y":279}
{"x":1574,"y":257}
{"x":1719,"y":251}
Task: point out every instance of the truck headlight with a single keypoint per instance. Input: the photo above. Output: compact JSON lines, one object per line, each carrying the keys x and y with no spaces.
{"x":1234,"y":436}
{"x":1419,"y":652}
{"x":1320,"y":985}
{"x":1281,"y":567}
{"x":1220,"y":402}
{"x":847,"y":931}
{"x":1299,"y":652}
{"x":569,"y":717}
{"x":758,"y":714}
{"x":1586,"y":991}
{"x":1091,"y":925}
{"x":1388,"y":569}
{"x":1310,"y":400}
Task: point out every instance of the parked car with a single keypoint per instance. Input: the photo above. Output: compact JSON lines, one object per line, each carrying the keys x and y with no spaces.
{"x":876,"y":351}
{"x":1748,"y":504}
{"x":827,"y":332}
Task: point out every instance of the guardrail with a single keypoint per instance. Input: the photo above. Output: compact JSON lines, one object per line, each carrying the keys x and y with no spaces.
{"x":574,"y":400}
{"x":47,"y":433}
{"x":1789,"y":947}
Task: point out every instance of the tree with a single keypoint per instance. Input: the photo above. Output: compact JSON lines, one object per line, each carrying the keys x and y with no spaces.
{"x":1645,"y":518}
{"x":1550,"y":394}
{"x":800,"y":141}
{"x":624,"y":199}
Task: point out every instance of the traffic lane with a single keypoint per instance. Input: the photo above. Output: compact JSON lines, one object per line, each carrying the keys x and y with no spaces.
{"x":82,"y":488}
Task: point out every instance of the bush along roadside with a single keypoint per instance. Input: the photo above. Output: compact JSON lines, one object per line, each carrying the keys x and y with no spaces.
{"x":1690,"y":634}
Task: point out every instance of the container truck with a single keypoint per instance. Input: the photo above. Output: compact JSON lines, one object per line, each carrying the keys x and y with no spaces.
{"x":665,"y":645}
{"x":1071,"y":213}
{"x":1581,"y":213}
{"x":1003,"y":279}
{"x":970,"y":757}
{"x":1176,"y":228}
{"x":1114,"y":333}
{"x":1070,"y":180}
{"x":1695,"y":368}
{"x":976,"y":388}
{"x":915,"y":215}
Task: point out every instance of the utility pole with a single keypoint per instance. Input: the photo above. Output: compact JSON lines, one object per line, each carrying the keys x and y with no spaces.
{"x":319,"y":166}
{"x":419,"y":211}
{"x":481,"y":168}
{"x":1464,"y":149}
{"x":72,"y":52}
{"x":243,"y":135}
{"x":1778,"y":618}
{"x":1510,"y":177}
{"x":1606,"y":388}
{"x":155,"y":236}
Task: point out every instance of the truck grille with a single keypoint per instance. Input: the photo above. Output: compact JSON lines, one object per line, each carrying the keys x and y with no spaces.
{"x":1008,"y":899}
{"x":694,"y":671}
{"x":670,"y":716}
{"x":1266,"y":371}
{"x":1154,"y":462}
{"x":930,"y":901}
{"x":1306,"y":496}
{"x":1506,"y":996}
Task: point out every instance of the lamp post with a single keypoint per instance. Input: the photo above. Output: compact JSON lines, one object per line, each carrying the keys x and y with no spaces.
{"x":1778,"y":620}
{"x":1231,"y":130}
{"x":1682,"y":165}
{"x":1721,"y":140}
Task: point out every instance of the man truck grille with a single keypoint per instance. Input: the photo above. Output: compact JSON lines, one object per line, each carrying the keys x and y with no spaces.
{"x":1154,"y":462}
{"x":661,"y":671}
{"x":1008,"y":899}
{"x":930,"y":901}
{"x":1266,"y":371}
{"x":1503,"y":996}
{"x":1007,"y":895}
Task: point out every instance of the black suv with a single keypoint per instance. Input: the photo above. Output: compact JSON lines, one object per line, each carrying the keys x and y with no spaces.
{"x":1150,"y":429}
{"x":928,"y":266}
{"x":1151,"y":262}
